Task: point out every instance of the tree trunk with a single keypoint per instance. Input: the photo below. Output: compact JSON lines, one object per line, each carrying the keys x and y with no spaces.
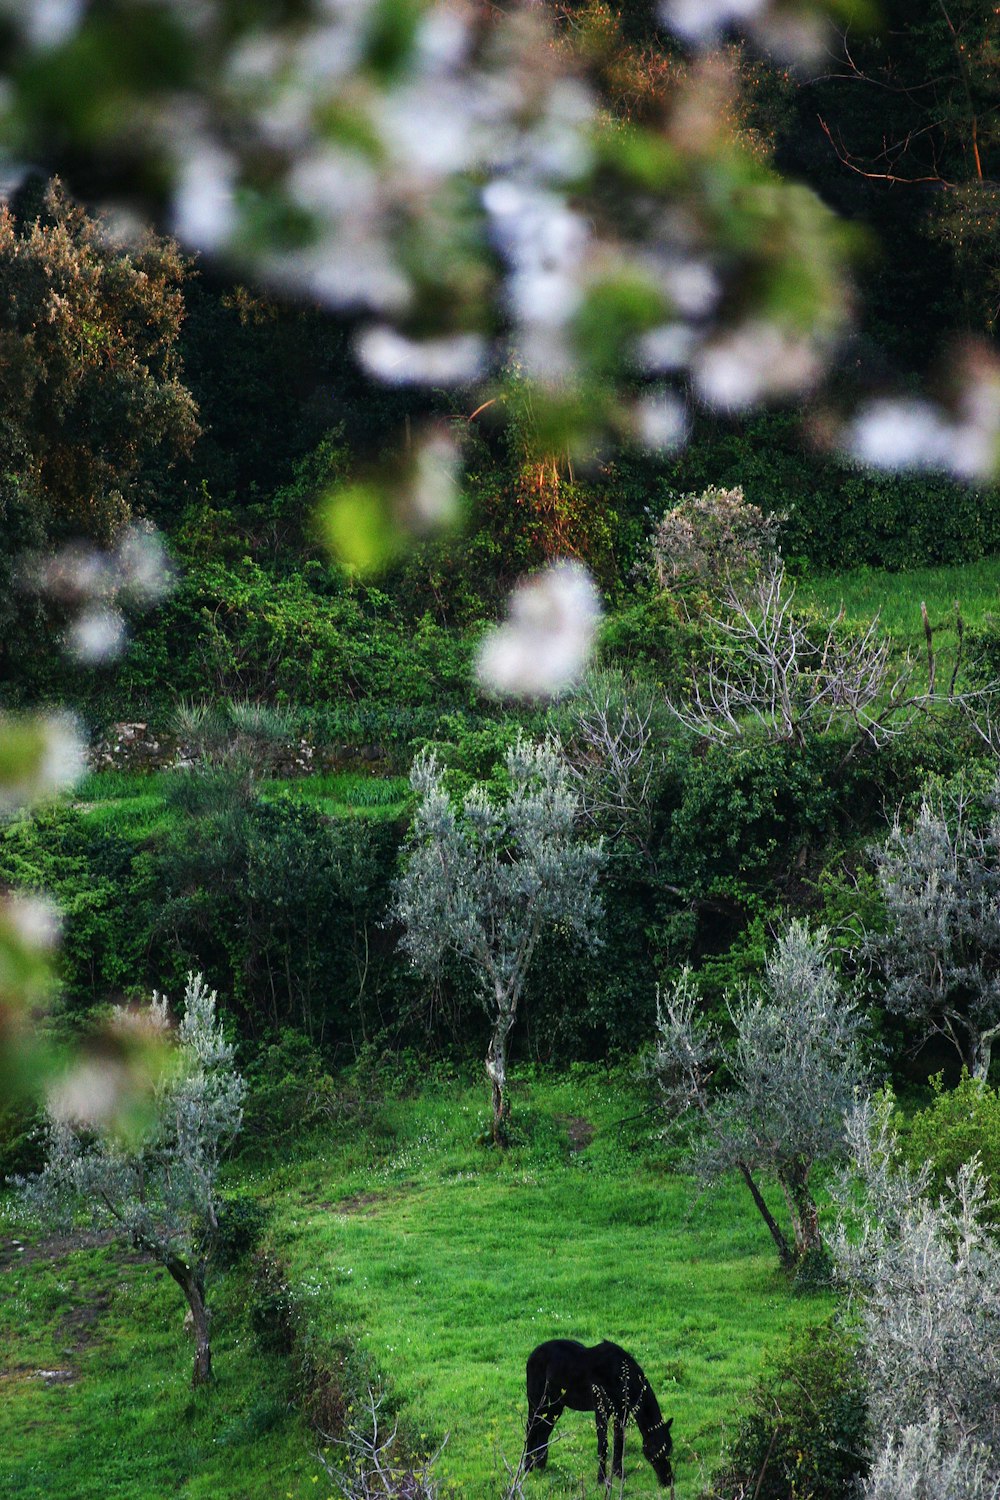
{"x":982,"y":1051}
{"x":496,"y":1071}
{"x":784,"y":1253}
{"x":191,"y":1281}
{"x":804,"y":1214}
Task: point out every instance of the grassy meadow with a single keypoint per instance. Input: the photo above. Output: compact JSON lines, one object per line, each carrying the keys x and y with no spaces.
{"x":445,"y":1263}
{"x":136,"y":804}
{"x":451,"y":1264}
{"x":896,"y":598}
{"x":95,"y":1384}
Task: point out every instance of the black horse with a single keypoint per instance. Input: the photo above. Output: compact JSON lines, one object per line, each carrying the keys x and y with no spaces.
{"x":605,"y":1380}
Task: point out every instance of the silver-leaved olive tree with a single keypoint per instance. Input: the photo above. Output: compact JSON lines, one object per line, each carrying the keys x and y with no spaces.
{"x":793,"y":1065}
{"x":485,"y":881}
{"x":158,"y":1192}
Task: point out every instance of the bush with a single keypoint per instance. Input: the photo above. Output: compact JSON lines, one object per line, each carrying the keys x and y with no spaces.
{"x":959,"y":1124}
{"x":290,"y":1091}
{"x":22,"y":1140}
{"x":705,"y":540}
{"x":242,"y":1220}
{"x":804,"y":1436}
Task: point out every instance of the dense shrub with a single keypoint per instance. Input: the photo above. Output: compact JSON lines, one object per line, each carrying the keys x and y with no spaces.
{"x":281,"y":906}
{"x":836,"y":515}
{"x":957,"y":1125}
{"x":22,"y":1140}
{"x":290,"y":1092}
{"x":103,"y":886}
{"x":804,"y":1435}
{"x":242,"y":1220}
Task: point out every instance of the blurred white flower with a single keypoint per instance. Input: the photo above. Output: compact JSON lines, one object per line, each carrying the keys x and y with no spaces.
{"x":204,"y":211}
{"x":44,"y":754}
{"x":96,"y":635}
{"x":703,"y":20}
{"x":75,"y":573}
{"x":430,"y":127}
{"x":432,"y":500}
{"x":34,"y":919}
{"x":442,"y":39}
{"x":45,"y":23}
{"x":396,"y":360}
{"x":668,"y":347}
{"x":751,"y":362}
{"x":903,"y":434}
{"x":145,"y":574}
{"x":544,"y":647}
{"x":793,"y":36}
{"x":692,"y":286}
{"x":91,"y":1093}
{"x":915,"y":434}
{"x":660,"y":420}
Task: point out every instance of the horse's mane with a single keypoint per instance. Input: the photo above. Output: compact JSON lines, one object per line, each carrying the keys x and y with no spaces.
{"x":649,"y":1419}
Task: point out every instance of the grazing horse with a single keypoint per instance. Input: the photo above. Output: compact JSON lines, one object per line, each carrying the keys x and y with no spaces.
{"x":605,"y":1380}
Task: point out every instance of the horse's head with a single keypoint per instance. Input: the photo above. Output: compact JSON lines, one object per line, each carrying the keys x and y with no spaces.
{"x":657,"y":1449}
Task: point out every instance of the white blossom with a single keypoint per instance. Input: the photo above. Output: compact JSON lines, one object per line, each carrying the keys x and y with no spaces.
{"x":544,"y":646}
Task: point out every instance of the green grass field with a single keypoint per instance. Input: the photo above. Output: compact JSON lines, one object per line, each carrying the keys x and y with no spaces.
{"x":135,"y":804}
{"x":449,"y":1264}
{"x":896,"y":597}
{"x":446,"y":1263}
{"x":95,"y":1385}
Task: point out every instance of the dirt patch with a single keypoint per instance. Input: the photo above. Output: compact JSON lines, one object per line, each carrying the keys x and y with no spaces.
{"x":77,"y":1328}
{"x":58,"y":1246}
{"x":53,"y":1247}
{"x":579,"y":1130}
{"x":359,"y":1203}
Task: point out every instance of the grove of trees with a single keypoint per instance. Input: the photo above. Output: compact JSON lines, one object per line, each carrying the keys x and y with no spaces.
{"x":427,"y":431}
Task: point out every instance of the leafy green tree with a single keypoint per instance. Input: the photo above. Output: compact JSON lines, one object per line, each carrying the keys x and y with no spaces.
{"x":160,"y":1193}
{"x":94,"y":408}
{"x":485,"y":882}
{"x":90,"y":381}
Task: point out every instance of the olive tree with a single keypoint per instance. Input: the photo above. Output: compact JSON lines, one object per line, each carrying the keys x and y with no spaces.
{"x":924,"y":1283}
{"x":940,"y":953}
{"x":794,"y":1063}
{"x":160,"y":1192}
{"x":485,"y":881}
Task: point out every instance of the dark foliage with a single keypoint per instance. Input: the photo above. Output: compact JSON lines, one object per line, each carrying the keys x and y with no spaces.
{"x":804,"y":1435}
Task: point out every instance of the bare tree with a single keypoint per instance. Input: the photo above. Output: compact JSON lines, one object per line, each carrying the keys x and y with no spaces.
{"x":484,"y":882}
{"x":940,"y":881}
{"x":374,"y":1466}
{"x":794,"y":1065}
{"x":160,"y":1194}
{"x":615,"y":759}
{"x":774,"y":669}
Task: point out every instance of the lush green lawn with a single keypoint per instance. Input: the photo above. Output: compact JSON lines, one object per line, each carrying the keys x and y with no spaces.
{"x":115,"y":1417}
{"x":896,"y":597}
{"x":134,"y":804}
{"x":449,"y":1265}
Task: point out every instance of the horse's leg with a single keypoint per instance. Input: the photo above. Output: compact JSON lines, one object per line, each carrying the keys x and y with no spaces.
{"x":540,"y":1425}
{"x":618,"y":1452}
{"x":601,"y":1418}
